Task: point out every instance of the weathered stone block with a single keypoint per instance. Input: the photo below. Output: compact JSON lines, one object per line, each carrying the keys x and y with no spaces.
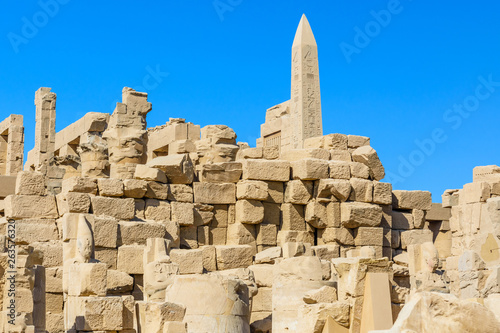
{"x":249,"y":211}
{"x":298,"y":192}
{"x":178,"y":167}
{"x":339,"y":170}
{"x":189,"y":261}
{"x":369,"y":236}
{"x":109,"y":187}
{"x":213,"y":193}
{"x":130,"y":259}
{"x":411,"y":200}
{"x":234,"y":256}
{"x":382,"y":193}
{"x":30,"y":206}
{"x":252,"y":190}
{"x":368,"y":156}
{"x":272,"y":170}
{"x":30,"y":183}
{"x":144,"y":172}
{"x":183,"y":213}
{"x":309,"y":169}
{"x":122,"y":209}
{"x":357,"y":214}
{"x":134,"y":188}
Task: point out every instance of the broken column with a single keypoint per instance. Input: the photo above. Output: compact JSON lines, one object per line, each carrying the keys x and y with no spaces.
{"x":11,"y":145}
{"x":126,"y":133}
{"x":45,"y":130}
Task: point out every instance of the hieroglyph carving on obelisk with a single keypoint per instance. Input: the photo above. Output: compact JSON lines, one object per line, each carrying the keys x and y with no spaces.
{"x":306,"y":121}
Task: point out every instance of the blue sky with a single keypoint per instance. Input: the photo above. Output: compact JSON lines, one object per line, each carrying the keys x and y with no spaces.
{"x":420,"y":81}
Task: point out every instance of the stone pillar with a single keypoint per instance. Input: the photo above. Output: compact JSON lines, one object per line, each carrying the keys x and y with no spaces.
{"x":45,"y":129}
{"x":11,"y":145}
{"x":126,"y":134}
{"x":305,"y":113}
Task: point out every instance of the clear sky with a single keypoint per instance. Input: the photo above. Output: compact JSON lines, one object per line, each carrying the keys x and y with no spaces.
{"x":421,"y":78}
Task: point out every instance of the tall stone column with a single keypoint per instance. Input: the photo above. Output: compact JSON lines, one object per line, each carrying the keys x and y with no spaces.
{"x":45,"y":129}
{"x":305,"y":115}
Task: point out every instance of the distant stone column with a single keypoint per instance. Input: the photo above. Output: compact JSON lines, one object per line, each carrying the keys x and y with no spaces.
{"x":126,"y":133}
{"x":45,"y":129}
{"x":11,"y":145}
{"x":305,"y":115}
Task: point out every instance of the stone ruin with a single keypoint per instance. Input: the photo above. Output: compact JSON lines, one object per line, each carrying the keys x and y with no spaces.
{"x":118,"y":227}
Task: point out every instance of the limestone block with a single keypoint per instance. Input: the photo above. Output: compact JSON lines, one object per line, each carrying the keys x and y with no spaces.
{"x":368,"y":156}
{"x":419,"y":218}
{"x":316,"y":215}
{"x":80,"y":184}
{"x":203,"y":214}
{"x":180,"y":192}
{"x":218,"y":134}
{"x":53,"y":280}
{"x":358,"y":214}
{"x":475,"y":192}
{"x":266,"y":234}
{"x":122,"y":209}
{"x":253,"y":153}
{"x":28,"y":206}
{"x":213,"y":193}
{"x":271,"y":170}
{"x":356,"y":141}
{"x":226,"y":172}
{"x":249,"y":211}
{"x":340,"y":188}
{"x":276,"y":192}
{"x":298,"y":154}
{"x":105,"y":232}
{"x":178,"y":167}
{"x":340,"y":155}
{"x":134,"y":188}
{"x":189,"y":261}
{"x":298,"y":192}
{"x":359,"y":170}
{"x":156,"y":190}
{"x":382,"y":193}
{"x":263,"y":301}
{"x":309,"y":169}
{"x":402,"y":220}
{"x":438,"y":213}
{"x":268,"y":256}
{"x":414,"y":237}
{"x":183,"y":213}
{"x":54,"y":303}
{"x":138,"y":232}
{"x":252,"y":190}
{"x":296,"y":249}
{"x":272,"y":213}
{"x":209,"y":258}
{"x":109,"y":187}
{"x":342,"y":236}
{"x":234,"y":256}
{"x":95,"y":313}
{"x":30,"y":183}
{"x":326,"y":252}
{"x":362,"y":190}
{"x":326,"y":294}
{"x":73,"y":202}
{"x":181,"y":147}
{"x":412,"y":200}
{"x":293,"y":217}
{"x":285,"y":236}
{"x":369,"y":236}
{"x":87,"y":279}
{"x":107,"y":256}
{"x":35,"y":230}
{"x":487,"y":173}
{"x":148,"y":173}
{"x":189,"y":237}
{"x":157,"y":210}
{"x":130,"y":259}
{"x":339,"y":170}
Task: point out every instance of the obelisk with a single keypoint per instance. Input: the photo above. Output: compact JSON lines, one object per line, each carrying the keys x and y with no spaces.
{"x":305,"y":103}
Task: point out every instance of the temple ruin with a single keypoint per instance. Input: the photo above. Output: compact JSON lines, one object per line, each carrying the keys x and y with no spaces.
{"x":113,"y":226}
